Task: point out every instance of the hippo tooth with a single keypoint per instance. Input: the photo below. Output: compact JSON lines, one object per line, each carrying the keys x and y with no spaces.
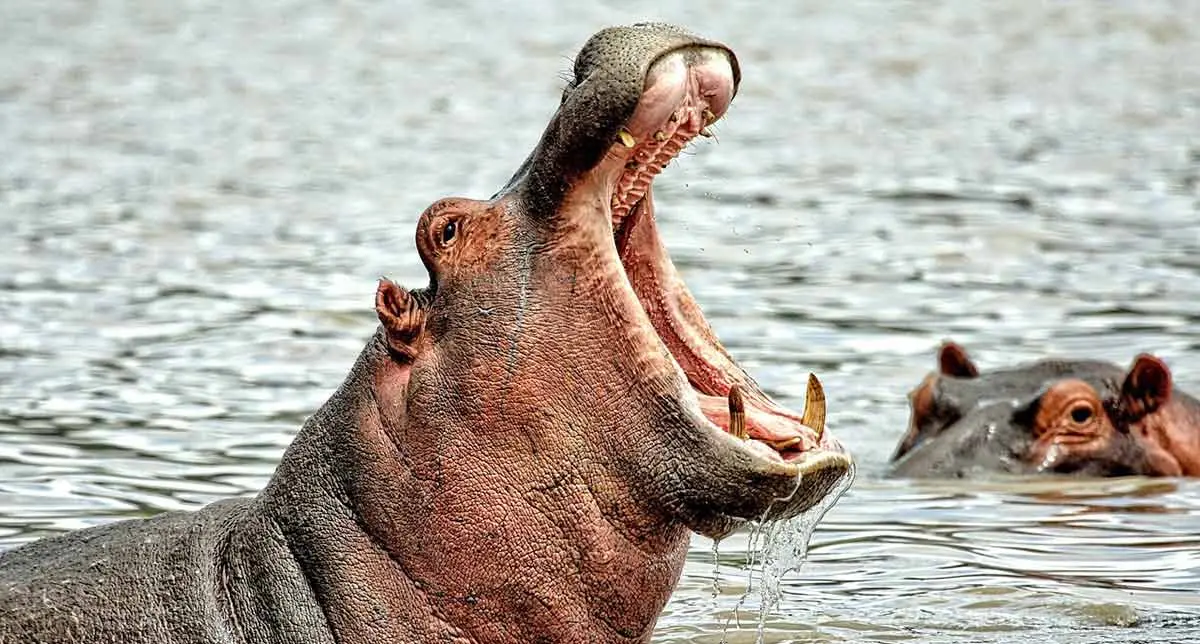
{"x":814,"y":406}
{"x":787,"y":443}
{"x":664,"y":157}
{"x":660,"y":136}
{"x":709,"y":117}
{"x":705,"y":132}
{"x":737,"y":413}
{"x":627,"y":138}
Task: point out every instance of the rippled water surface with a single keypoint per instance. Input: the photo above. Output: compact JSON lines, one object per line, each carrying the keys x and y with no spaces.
{"x":198,"y":196}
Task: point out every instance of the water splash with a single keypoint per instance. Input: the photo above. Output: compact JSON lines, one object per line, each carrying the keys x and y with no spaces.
{"x":775,"y":548}
{"x":787,"y":546}
{"x":752,"y":550}
{"x":1053,"y":455}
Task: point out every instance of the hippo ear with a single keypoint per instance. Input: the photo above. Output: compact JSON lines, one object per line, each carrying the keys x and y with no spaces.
{"x":954,"y":361}
{"x":402,"y":318}
{"x":1147,"y":386}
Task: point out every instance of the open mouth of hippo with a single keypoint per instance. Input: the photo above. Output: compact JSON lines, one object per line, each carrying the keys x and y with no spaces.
{"x":685,"y":92}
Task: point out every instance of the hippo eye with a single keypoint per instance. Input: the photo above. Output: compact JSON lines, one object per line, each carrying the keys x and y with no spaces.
{"x":1081,"y":414}
{"x":449,"y":231}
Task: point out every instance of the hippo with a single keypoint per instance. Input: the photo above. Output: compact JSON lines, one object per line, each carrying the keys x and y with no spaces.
{"x":522,"y":449}
{"x":1071,"y":417}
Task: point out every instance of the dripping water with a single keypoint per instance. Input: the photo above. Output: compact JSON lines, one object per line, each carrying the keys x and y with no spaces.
{"x":756,"y":531}
{"x":786,"y":549}
{"x":716,"y":578}
{"x":775,"y":548}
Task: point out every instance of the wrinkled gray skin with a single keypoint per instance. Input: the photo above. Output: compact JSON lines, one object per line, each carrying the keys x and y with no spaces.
{"x":985,"y":426}
{"x":398,"y":514}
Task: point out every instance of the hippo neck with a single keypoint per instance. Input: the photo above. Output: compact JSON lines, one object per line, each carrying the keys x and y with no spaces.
{"x":388,"y":560}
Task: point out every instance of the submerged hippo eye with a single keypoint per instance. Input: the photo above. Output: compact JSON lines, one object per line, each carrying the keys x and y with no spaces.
{"x":449,"y":231}
{"x":1081,"y":413}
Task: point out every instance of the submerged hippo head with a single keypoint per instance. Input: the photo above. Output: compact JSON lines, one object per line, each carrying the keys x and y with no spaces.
{"x":1081,"y":417}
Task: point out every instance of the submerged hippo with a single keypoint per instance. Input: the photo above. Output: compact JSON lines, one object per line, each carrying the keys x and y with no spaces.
{"x":519,"y":452}
{"x":1082,"y":417}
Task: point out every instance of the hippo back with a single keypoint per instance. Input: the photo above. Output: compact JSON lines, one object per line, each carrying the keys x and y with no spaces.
{"x":163,"y":579}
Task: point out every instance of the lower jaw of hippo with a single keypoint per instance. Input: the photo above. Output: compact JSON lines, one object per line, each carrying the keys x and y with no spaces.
{"x":685,"y":93}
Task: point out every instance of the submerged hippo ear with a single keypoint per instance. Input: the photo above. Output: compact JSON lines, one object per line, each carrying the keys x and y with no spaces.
{"x":402,"y":318}
{"x":1147,"y":386}
{"x":954,"y":361}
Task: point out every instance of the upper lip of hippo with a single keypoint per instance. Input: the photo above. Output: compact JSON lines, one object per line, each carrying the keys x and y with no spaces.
{"x":685,"y":92}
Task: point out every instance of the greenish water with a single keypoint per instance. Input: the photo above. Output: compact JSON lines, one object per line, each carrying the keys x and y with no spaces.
{"x":198,"y":197}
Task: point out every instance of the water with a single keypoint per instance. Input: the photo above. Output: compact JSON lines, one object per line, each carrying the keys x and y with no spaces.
{"x":772,"y":551}
{"x":198,"y":196}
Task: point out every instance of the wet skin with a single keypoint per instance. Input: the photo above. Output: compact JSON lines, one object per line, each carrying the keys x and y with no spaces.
{"x":519,"y":453}
{"x":1081,"y":417}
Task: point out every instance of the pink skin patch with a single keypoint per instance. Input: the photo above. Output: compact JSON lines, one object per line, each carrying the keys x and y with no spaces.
{"x":685,"y":92}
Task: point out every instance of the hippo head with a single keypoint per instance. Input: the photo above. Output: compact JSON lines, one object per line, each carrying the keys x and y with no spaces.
{"x":1081,"y":417}
{"x":554,"y":400}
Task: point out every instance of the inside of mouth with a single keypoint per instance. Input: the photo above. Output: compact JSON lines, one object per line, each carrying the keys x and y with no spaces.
{"x":644,"y":149}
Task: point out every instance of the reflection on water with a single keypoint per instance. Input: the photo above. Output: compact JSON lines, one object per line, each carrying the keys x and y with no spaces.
{"x":909,"y":561}
{"x":199,"y":196}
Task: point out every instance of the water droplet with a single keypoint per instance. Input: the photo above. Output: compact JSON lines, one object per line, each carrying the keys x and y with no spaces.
{"x":716,"y":554}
